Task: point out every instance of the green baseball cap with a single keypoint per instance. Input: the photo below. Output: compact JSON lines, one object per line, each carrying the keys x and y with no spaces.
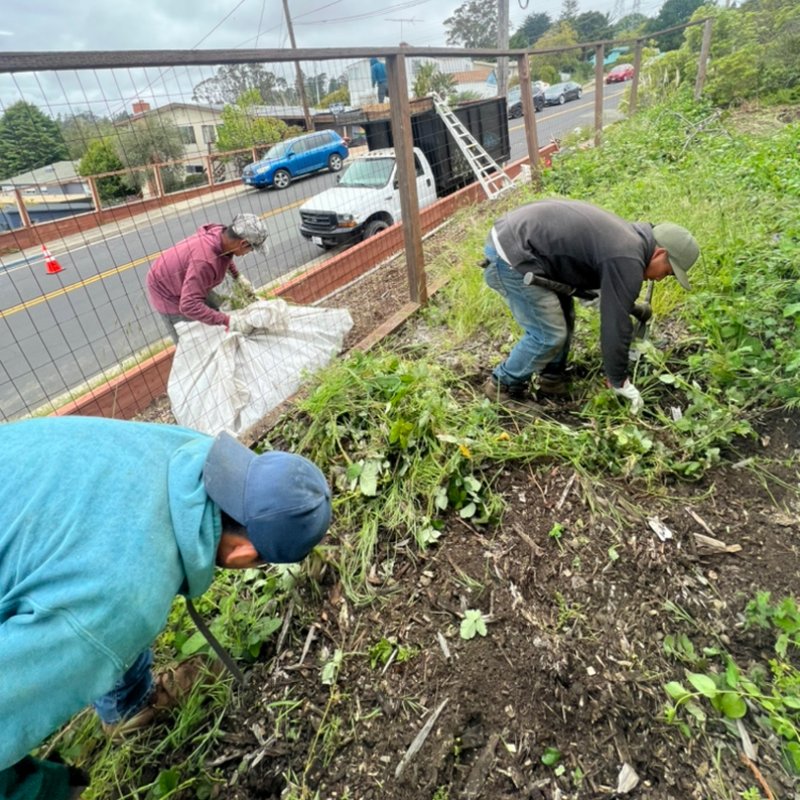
{"x":682,"y":249}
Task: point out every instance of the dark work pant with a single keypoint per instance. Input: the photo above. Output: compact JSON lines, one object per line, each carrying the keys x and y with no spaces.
{"x":212,"y":299}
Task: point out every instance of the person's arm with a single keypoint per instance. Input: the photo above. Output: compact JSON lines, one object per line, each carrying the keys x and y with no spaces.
{"x":234,"y":273}
{"x":621,"y":283}
{"x":199,"y":281}
{"x":37,"y":779}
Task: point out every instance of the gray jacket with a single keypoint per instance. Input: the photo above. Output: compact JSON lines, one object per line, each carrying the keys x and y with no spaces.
{"x":586,"y":247}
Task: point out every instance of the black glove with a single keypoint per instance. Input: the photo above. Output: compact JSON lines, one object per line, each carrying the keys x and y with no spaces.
{"x":642,"y":311}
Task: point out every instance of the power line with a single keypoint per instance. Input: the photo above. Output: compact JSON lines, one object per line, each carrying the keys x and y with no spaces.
{"x":367,"y":14}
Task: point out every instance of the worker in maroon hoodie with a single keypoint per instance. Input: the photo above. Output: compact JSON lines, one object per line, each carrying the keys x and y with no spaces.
{"x":181,"y":281}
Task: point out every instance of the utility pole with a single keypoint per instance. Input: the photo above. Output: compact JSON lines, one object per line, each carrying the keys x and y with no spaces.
{"x":502,"y":44}
{"x":298,"y":72}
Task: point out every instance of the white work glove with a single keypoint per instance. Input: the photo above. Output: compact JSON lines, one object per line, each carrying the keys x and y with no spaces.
{"x":239,"y":323}
{"x":630,"y":392}
{"x":246,"y":283}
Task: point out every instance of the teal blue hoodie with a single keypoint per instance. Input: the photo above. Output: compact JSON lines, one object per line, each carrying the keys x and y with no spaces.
{"x":102,"y":523}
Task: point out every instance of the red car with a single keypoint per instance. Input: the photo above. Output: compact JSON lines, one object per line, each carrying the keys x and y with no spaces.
{"x":622,"y":72}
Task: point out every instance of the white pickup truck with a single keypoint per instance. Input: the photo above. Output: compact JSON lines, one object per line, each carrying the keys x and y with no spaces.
{"x":365,"y":201}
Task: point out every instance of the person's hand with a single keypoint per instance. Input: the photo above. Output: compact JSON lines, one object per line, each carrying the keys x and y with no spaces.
{"x":238,"y":323}
{"x":631,"y":393}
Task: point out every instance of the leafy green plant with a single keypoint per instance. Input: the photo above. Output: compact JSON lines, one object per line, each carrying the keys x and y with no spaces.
{"x":473,"y":624}
{"x":556,"y":532}
{"x":382,"y":651}
{"x":775,"y":697}
{"x":551,"y":756}
{"x":784,"y":616}
{"x":330,"y":669}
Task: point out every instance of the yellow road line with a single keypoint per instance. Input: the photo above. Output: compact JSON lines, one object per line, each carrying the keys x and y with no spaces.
{"x":107,"y":274}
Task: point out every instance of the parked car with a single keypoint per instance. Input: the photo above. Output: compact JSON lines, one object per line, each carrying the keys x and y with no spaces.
{"x":291,"y":158}
{"x":514,"y":100}
{"x":622,"y":72}
{"x":559,"y":93}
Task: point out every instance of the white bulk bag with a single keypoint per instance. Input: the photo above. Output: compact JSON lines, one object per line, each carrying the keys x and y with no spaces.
{"x":227,"y":381}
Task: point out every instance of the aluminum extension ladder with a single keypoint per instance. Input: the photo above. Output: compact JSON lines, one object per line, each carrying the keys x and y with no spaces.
{"x":488,"y":172}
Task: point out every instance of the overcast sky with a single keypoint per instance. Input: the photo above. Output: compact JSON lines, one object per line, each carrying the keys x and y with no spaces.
{"x":85,"y":25}
{"x":32,"y":25}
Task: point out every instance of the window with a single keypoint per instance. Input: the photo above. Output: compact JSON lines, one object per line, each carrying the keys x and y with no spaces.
{"x":187,"y":134}
{"x":209,"y":134}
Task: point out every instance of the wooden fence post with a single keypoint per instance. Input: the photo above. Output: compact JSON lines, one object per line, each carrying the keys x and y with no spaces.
{"x":24,"y":217}
{"x":400,"y":110}
{"x":95,"y":192}
{"x":599,"y":58}
{"x":705,"y":49}
{"x":529,"y":115}
{"x":637,"y":66}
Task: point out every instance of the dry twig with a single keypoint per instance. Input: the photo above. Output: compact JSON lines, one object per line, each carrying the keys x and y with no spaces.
{"x":420,"y":738}
{"x":758,"y":776}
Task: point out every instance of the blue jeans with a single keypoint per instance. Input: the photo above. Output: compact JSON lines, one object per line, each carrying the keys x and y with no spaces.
{"x":546,"y":318}
{"x":131,"y":693}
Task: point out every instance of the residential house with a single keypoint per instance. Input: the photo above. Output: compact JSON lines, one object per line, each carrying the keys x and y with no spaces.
{"x":52,"y":182}
{"x":47,"y":193}
{"x":197,"y":126}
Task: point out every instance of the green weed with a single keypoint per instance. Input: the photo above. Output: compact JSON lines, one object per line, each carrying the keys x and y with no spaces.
{"x":771,"y":696}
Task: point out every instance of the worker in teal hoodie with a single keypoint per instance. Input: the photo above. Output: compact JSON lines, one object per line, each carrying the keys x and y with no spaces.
{"x":102,"y":524}
{"x":377,"y":72}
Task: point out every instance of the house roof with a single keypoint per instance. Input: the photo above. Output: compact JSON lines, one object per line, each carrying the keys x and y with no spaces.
{"x":477,"y":75}
{"x":58,"y":172}
{"x":216,"y":110}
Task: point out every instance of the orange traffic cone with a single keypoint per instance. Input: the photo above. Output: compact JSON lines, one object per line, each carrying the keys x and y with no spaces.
{"x":53,"y":267}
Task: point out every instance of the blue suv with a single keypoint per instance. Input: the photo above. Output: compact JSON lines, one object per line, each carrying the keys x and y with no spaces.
{"x":290,"y":158}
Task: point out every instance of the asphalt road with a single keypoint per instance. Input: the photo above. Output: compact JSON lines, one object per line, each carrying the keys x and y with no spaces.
{"x":61,"y":331}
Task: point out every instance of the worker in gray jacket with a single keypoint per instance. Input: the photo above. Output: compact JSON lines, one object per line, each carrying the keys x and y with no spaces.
{"x":543,"y":254}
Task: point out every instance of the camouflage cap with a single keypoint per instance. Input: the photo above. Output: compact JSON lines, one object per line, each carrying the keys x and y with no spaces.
{"x":251,"y":228}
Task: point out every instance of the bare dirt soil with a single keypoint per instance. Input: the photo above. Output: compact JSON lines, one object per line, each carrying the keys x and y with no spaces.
{"x":573,"y":657}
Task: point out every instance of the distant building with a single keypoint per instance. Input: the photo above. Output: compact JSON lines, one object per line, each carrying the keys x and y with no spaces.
{"x":47,"y":193}
{"x":197,"y":126}
{"x":53,"y":182}
{"x":363,"y":93}
{"x":481,"y":80}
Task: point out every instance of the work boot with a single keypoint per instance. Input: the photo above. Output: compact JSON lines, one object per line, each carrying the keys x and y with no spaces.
{"x":170,"y":688}
{"x":553,"y":385}
{"x":518,"y":397}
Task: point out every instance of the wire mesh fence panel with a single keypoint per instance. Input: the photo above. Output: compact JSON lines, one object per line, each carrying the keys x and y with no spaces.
{"x":153,"y":156}
{"x":130,"y":167}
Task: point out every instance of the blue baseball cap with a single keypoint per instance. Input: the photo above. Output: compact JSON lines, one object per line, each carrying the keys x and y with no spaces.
{"x":282,"y":499}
